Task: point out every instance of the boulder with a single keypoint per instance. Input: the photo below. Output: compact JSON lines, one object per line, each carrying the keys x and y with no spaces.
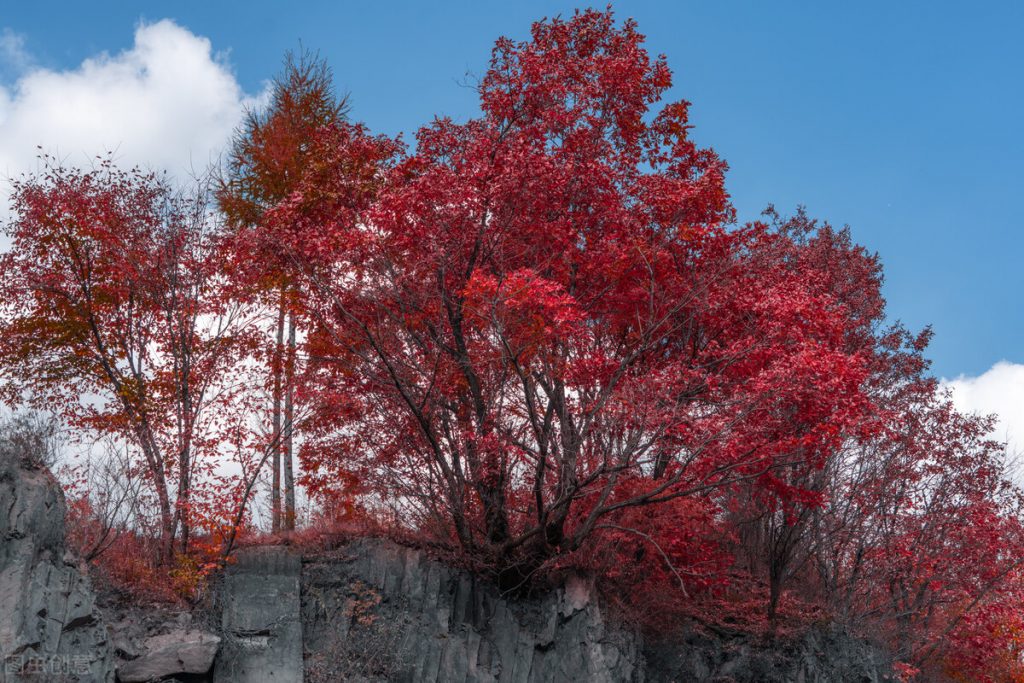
{"x":180,"y":652}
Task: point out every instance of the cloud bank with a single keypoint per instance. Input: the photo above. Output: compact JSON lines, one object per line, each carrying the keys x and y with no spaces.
{"x":167,"y":103}
{"x":998,"y":390}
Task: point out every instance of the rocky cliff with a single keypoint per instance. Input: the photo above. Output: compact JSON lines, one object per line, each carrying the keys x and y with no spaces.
{"x":369,"y":610}
{"x":378,"y":611}
{"x":375,"y":611}
{"x":50,"y":628}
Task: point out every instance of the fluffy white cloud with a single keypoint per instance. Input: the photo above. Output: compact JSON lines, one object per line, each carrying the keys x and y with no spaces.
{"x":998,"y":390}
{"x":169,"y":102}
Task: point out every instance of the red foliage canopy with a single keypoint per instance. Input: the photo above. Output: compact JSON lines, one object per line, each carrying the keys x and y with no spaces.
{"x":538,"y":339}
{"x":117,"y":326}
{"x":541,"y":320}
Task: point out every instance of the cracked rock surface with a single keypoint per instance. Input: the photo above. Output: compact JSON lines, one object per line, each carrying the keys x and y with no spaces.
{"x":376,"y":611}
{"x":181,"y":652}
{"x":50,"y":628}
{"x":370,"y":610}
{"x":260,"y":628}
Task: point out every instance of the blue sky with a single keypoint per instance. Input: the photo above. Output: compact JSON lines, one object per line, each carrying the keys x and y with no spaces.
{"x":902,"y":120}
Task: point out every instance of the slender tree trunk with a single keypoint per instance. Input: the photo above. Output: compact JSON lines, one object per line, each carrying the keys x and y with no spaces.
{"x":184,"y":500}
{"x":277,"y":368}
{"x":167,"y":540}
{"x":774,"y":595}
{"x":155,"y":465}
{"x":167,"y":521}
{"x":185,"y":457}
{"x":289,"y":428}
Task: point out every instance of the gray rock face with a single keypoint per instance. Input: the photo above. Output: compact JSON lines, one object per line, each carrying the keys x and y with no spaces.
{"x":49,"y":626}
{"x":375,"y":611}
{"x":262,"y":634}
{"x":829,"y":655}
{"x":371,"y":611}
{"x":381,"y":612}
{"x":178,"y":652}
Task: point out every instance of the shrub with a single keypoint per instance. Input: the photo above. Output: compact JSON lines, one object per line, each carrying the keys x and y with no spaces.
{"x":32,"y":439}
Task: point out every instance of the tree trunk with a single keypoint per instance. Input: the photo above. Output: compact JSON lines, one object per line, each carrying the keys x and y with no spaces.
{"x":167,"y":522}
{"x":289,"y":428}
{"x":277,"y":368}
{"x":774,"y":595}
{"x":155,"y":466}
{"x":184,"y":500}
{"x":185,"y":455}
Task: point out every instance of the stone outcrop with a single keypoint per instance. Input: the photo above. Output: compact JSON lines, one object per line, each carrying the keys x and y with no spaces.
{"x":379,"y":612}
{"x":50,"y":628}
{"x":260,"y":623}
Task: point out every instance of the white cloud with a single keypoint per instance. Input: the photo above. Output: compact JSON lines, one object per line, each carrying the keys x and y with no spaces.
{"x":14,"y":57}
{"x":167,"y":103}
{"x":999,"y":390}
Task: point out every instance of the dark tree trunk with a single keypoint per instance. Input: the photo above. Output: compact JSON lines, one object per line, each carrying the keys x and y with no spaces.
{"x":277,"y":368}
{"x":288,"y":523}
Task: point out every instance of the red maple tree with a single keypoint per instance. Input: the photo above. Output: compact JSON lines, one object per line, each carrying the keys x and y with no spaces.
{"x":115,"y":325}
{"x":543,"y":320}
